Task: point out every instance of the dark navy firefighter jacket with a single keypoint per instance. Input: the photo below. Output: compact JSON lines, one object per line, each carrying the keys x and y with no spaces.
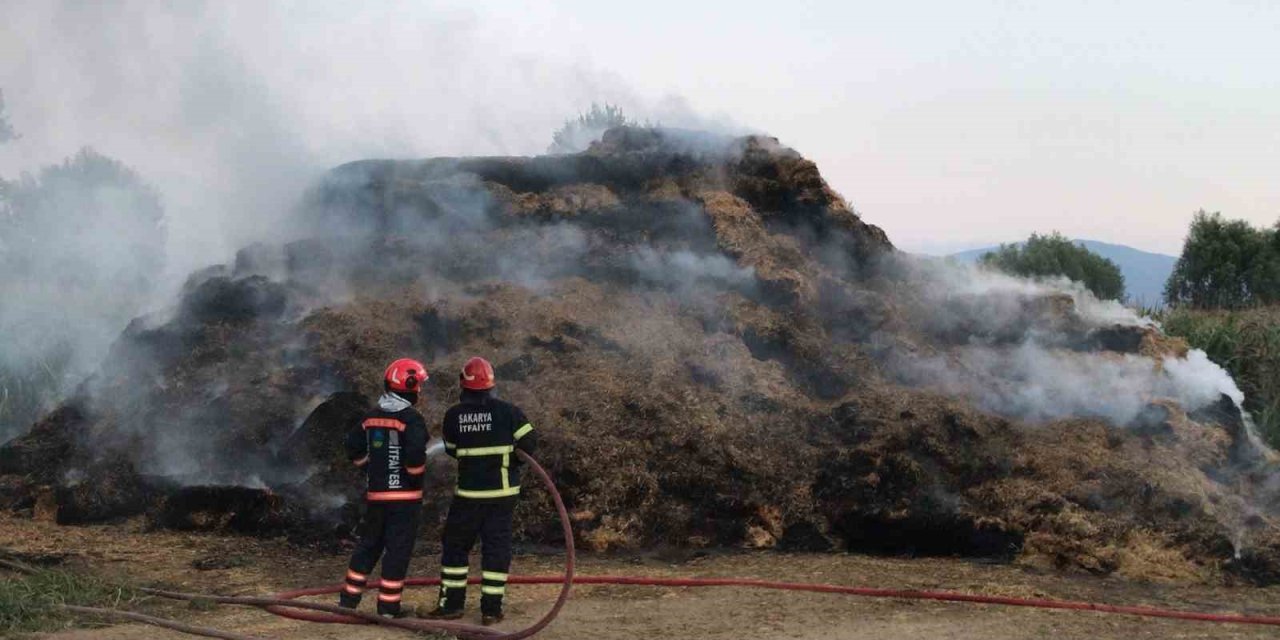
{"x":391,"y":445}
{"x":483,"y":433}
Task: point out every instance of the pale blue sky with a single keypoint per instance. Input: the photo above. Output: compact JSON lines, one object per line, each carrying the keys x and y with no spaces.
{"x":949,"y":124}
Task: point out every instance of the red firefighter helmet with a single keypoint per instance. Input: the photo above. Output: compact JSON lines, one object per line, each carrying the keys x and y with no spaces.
{"x":405,"y":375}
{"x":477,"y":375}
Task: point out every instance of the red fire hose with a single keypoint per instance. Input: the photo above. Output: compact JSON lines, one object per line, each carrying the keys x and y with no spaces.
{"x":567,"y":580}
{"x":459,"y":629}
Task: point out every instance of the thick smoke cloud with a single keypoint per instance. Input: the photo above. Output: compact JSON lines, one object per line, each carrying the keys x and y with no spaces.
{"x":447,"y":234}
{"x":455,"y":230}
{"x":1029,"y":349}
{"x":230,"y":110}
{"x":1031,"y":382}
{"x":81,"y":253}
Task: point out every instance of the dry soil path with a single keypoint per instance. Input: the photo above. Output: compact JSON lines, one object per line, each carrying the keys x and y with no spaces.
{"x":624,"y":613}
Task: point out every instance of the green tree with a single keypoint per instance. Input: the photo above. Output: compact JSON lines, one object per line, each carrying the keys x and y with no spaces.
{"x":578,"y":133}
{"x":90,"y":208}
{"x":81,"y":248}
{"x":6,"y":130}
{"x":1225,"y":264}
{"x":1055,"y":255}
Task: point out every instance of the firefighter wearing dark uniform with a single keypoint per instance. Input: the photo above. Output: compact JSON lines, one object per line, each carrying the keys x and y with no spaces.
{"x":483,"y":434}
{"x":390,"y":444}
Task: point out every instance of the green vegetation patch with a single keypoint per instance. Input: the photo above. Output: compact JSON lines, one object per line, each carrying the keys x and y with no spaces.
{"x":34,"y":602}
{"x":1055,"y":255}
{"x":1247,"y":344}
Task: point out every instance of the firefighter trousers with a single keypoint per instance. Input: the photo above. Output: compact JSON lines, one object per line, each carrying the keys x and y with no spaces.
{"x":490,"y":521}
{"x":387,"y":531}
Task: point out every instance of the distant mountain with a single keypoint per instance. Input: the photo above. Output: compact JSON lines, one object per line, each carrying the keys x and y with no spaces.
{"x":1144,"y":273}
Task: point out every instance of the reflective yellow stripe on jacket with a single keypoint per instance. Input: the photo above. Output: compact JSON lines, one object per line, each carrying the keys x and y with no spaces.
{"x":485,"y":451}
{"x":505,"y":451}
{"x":491,"y":493}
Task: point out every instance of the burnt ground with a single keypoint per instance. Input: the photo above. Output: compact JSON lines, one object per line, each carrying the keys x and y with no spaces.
{"x":238,"y":565}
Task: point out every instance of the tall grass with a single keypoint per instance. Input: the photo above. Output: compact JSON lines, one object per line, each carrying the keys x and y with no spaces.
{"x":1247,"y":344}
{"x":30,"y":603}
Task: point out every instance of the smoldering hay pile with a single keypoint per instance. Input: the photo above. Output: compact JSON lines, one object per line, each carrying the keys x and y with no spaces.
{"x":717,"y":350}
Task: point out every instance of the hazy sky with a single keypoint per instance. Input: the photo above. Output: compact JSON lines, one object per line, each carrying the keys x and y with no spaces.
{"x":954,"y":123}
{"x":949,"y":124}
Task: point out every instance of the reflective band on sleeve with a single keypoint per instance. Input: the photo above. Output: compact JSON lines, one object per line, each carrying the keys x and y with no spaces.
{"x":352,"y":589}
{"x":383,"y":423}
{"x":492,"y":591}
{"x":358,"y":577}
{"x":416,"y":471}
{"x":393,"y":496}
{"x":493,"y":493}
{"x":450,"y":445}
{"x":523,"y":431}
{"x":486,"y":451}
{"x":454,"y":571}
{"x":390,"y":585}
{"x":494,"y":575}
{"x":388,"y":597}
{"x":454,"y":584}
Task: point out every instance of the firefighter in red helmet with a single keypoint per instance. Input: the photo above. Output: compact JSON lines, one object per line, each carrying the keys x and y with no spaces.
{"x":390,"y":444}
{"x":483,"y":434}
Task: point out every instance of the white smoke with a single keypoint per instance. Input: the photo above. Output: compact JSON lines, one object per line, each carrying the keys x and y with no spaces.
{"x":1040,"y":384}
{"x":1022,"y":348}
{"x":230,"y":110}
{"x":681,"y":269}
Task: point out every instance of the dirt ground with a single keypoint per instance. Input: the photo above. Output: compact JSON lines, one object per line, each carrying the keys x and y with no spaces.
{"x":267,"y":566}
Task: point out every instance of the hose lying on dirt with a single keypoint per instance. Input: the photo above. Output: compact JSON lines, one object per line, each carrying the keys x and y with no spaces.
{"x":285,"y":604}
{"x":333,"y":613}
{"x":173,"y":625}
{"x":288,"y":607}
{"x":873,"y":592}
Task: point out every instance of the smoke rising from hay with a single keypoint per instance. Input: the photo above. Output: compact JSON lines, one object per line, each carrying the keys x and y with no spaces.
{"x":233,"y":110}
{"x":1030,"y":382}
{"x":708,"y":293}
{"x":1041,"y":350}
{"x":230,"y":112}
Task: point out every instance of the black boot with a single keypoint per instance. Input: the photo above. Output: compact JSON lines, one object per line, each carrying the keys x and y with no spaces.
{"x":390,"y":610}
{"x":491,"y":607}
{"x":348,"y":601}
{"x":440,"y":613}
{"x":450,"y":605}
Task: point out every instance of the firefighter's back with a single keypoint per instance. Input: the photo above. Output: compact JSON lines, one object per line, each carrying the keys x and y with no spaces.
{"x":389,"y":436}
{"x":481,"y":432}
